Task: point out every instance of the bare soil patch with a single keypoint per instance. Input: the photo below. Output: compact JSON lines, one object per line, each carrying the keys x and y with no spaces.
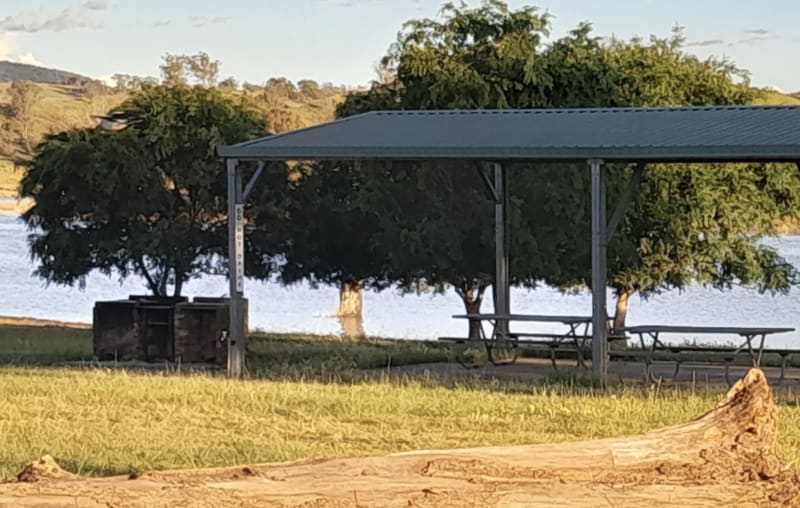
{"x":723,"y":458}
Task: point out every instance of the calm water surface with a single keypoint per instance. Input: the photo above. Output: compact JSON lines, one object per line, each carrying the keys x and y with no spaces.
{"x":389,"y":314}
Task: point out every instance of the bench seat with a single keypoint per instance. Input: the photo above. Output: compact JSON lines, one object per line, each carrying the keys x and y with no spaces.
{"x":698,"y":355}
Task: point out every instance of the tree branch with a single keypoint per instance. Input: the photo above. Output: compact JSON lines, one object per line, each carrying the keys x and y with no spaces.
{"x":150,"y":281}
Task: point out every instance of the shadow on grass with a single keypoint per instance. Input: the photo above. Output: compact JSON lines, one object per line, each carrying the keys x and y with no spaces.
{"x":43,"y":345}
{"x":308,"y":358}
{"x":283,"y":357}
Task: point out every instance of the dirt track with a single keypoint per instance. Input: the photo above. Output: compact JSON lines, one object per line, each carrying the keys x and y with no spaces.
{"x":723,"y":458}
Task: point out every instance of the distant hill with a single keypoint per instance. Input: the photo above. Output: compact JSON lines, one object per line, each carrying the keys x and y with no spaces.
{"x":13,"y":71}
{"x":774,"y":98}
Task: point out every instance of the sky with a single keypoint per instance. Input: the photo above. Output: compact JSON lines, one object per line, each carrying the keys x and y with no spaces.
{"x":341,"y":41}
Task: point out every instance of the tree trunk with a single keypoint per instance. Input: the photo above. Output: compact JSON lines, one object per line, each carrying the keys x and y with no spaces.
{"x":620,"y":315}
{"x":472,"y":300}
{"x":352,"y":327}
{"x":162,"y":282}
{"x":178,"y":284}
{"x":152,"y":285}
{"x":724,"y":458}
{"x":351,"y":299}
{"x":26,"y":138}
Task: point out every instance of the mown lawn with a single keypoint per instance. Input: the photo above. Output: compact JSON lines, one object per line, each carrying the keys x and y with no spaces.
{"x":102,"y":421}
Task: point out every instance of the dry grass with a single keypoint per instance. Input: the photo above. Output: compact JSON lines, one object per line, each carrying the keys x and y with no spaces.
{"x":773,"y":98}
{"x":104,"y":422}
{"x":99,"y":421}
{"x":9,"y":178}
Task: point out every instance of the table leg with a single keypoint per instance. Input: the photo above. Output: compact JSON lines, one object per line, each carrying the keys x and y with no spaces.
{"x":496,"y":346}
{"x":573,"y":332}
{"x":651,"y":358}
{"x":761,"y":349}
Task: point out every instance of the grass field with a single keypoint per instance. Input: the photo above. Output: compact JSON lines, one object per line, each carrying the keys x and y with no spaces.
{"x":303,"y":401}
{"x":9,"y":178}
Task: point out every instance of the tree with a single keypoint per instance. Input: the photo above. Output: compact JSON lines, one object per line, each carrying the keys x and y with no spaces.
{"x":309,"y":89}
{"x":277,"y":89}
{"x":686,"y":223}
{"x":174,"y":69}
{"x":91,"y":88}
{"x":126,"y":83}
{"x":204,"y":69}
{"x":436,"y":220}
{"x":24,"y":95}
{"x":229,"y":84}
{"x":494,"y":57}
{"x":328,"y":240}
{"x":401,"y":224}
{"x":148,"y":200}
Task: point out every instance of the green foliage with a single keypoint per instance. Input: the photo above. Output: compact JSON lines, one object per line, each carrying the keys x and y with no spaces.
{"x":328,"y":240}
{"x":149,"y":199}
{"x":430,"y":225}
{"x":35,"y":345}
{"x":177,"y":69}
{"x":475,"y":58}
{"x":686,"y":223}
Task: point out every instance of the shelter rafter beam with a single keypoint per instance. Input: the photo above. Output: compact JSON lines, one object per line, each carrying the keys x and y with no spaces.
{"x":252,"y":182}
{"x":483,"y":172}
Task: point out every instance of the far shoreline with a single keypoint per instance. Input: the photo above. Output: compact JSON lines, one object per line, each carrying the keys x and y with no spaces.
{"x":42,"y":323}
{"x":13,"y":205}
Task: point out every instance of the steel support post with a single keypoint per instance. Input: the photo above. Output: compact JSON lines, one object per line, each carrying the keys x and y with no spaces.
{"x":236,"y":340}
{"x":502,"y":290}
{"x":599,"y":263}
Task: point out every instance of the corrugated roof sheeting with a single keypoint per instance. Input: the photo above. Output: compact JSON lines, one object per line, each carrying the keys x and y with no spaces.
{"x":713,"y":133}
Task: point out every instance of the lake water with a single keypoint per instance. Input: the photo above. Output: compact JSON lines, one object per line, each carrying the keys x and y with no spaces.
{"x":389,"y":314}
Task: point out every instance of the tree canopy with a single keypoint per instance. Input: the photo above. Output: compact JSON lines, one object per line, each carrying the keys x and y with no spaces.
{"x":147,"y":200}
{"x":685,"y":224}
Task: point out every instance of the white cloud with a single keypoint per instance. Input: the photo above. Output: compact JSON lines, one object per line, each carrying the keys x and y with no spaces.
{"x":45,"y":20}
{"x":201,"y":21}
{"x":8,"y":43}
{"x":29,"y":59}
{"x":8,"y":51}
{"x":107,"y":79}
{"x":95,"y":5}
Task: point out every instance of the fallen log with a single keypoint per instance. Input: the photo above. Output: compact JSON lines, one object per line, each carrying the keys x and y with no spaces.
{"x":723,"y":458}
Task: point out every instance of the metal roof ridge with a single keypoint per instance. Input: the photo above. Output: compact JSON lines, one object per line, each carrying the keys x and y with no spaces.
{"x":545,"y":111}
{"x":297,"y":131}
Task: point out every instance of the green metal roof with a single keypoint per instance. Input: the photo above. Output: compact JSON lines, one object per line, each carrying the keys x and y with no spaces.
{"x":741,"y":133}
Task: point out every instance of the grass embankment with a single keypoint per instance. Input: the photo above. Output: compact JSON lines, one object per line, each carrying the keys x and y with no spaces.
{"x":303,"y":401}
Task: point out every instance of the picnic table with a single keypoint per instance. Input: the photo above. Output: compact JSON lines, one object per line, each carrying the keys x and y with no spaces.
{"x":752,"y":341}
{"x":503,"y":340}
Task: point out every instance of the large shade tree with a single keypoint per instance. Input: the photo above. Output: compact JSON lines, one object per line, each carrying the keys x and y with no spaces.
{"x":686,"y":223}
{"x":149,"y":199}
{"x":403,"y":224}
{"x":435,"y":225}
